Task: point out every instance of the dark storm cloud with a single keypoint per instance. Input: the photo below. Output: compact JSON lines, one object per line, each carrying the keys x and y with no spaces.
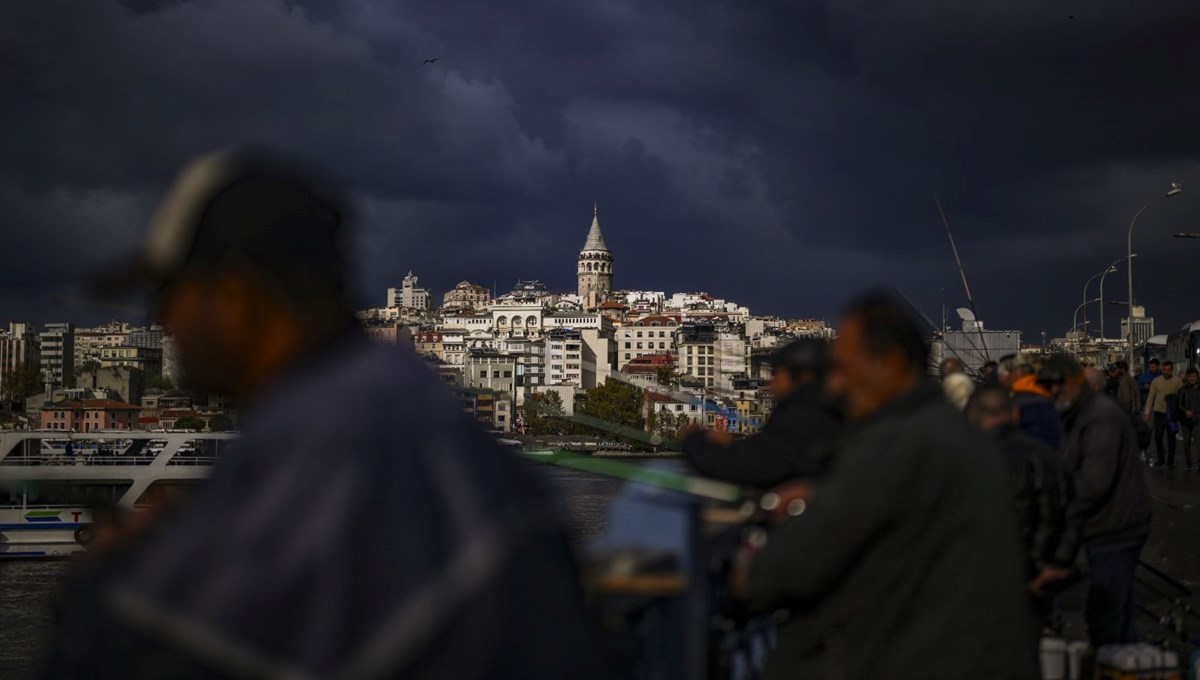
{"x":783,"y":157}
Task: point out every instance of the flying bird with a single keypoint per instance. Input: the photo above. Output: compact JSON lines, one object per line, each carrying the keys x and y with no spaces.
{"x":429,"y":61}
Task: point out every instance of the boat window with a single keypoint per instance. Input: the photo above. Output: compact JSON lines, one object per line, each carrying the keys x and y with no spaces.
{"x":73,"y":493}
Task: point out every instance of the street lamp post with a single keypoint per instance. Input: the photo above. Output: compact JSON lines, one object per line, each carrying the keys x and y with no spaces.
{"x":1175,"y":190}
{"x":1075,"y":317}
{"x":1111,"y":269}
{"x":1085,"y":303}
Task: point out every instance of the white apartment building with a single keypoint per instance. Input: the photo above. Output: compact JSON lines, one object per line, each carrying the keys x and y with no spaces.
{"x":653,"y":334}
{"x":518,"y":319}
{"x":490,"y":370}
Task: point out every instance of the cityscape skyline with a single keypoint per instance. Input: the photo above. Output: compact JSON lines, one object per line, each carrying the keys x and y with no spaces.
{"x":786,"y":158}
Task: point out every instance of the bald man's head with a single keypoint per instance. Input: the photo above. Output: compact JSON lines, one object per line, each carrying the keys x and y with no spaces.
{"x":990,"y":407}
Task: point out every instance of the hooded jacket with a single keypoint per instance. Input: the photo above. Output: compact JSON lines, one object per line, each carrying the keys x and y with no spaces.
{"x":1038,"y":417}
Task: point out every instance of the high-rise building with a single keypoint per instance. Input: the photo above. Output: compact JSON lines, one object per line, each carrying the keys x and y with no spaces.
{"x":18,"y":347}
{"x":595,"y":270}
{"x":1143,"y":326}
{"x":56,"y":347}
{"x":408,"y":295}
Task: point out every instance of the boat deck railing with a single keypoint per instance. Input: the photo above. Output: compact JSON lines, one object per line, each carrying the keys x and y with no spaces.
{"x":63,"y":460}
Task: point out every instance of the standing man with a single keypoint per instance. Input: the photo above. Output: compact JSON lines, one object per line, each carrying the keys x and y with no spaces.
{"x":1109,"y":513}
{"x":1163,"y":391}
{"x":363,"y":528}
{"x":903,"y":560}
{"x":796,"y":440}
{"x":1129,"y":395}
{"x":1189,"y":413}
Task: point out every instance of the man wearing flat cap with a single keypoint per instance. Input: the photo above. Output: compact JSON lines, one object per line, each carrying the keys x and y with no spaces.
{"x":363,"y":528}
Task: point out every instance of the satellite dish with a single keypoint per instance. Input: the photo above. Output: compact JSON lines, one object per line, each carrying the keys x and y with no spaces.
{"x":965,"y":314}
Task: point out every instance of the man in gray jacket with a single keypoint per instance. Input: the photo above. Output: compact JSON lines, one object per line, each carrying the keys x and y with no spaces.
{"x":904,"y":560}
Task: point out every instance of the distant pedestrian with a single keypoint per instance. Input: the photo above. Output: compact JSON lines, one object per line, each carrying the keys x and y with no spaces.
{"x":1189,"y":415}
{"x":1109,"y":512}
{"x":988,"y":373}
{"x":956,"y":385}
{"x":1148,"y":376}
{"x":796,"y":440}
{"x":903,"y":560}
{"x":1129,"y":395}
{"x":1038,"y":417}
{"x":1160,"y":406}
{"x":364,"y":528}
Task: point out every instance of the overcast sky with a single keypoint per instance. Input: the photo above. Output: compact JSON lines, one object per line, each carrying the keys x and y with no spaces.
{"x":783,"y":155}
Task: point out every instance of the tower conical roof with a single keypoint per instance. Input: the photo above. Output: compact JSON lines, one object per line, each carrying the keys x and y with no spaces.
{"x":595,"y":239}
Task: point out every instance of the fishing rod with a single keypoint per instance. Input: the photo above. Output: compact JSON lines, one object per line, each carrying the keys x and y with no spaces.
{"x":963,"y":273}
{"x":631,"y":472}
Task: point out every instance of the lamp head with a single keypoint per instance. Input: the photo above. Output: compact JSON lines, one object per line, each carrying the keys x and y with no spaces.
{"x":1175,"y":189}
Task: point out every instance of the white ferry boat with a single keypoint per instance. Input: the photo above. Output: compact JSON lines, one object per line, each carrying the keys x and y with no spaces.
{"x":50,"y":481}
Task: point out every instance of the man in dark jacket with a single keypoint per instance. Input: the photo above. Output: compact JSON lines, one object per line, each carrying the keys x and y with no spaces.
{"x":795,"y":441}
{"x":363,"y":527}
{"x":1189,"y":413}
{"x":1109,"y":512}
{"x":903,"y":560}
{"x":1035,"y":473}
{"x":1038,"y":484}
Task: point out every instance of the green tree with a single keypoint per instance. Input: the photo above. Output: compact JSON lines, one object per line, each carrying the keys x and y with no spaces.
{"x":159,"y":382}
{"x":544,"y":413}
{"x":22,"y":382}
{"x":220,"y":423}
{"x":189,"y":423}
{"x":615,"y":402}
{"x":666,"y":376}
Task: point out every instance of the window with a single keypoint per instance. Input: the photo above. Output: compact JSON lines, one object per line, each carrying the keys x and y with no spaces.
{"x":495,"y":374}
{"x":508,"y":374}
{"x":639,"y":334}
{"x":627,"y":345}
{"x":639,"y":345}
{"x":483,"y":374}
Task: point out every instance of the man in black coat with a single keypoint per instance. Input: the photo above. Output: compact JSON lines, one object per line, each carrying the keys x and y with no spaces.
{"x":363,"y":527}
{"x":1039,"y":489}
{"x":903,"y":560}
{"x":1109,"y":513}
{"x":796,"y":440}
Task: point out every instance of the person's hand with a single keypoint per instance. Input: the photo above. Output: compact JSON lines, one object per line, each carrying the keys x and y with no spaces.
{"x":1146,"y":417}
{"x":719,"y":437}
{"x":787,"y":500}
{"x":1047,"y":575}
{"x":1189,"y":414}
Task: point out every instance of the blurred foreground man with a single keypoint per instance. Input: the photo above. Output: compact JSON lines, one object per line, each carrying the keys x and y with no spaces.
{"x":1109,"y":512}
{"x":903,"y":561}
{"x":363,"y":528}
{"x":797,"y":438}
